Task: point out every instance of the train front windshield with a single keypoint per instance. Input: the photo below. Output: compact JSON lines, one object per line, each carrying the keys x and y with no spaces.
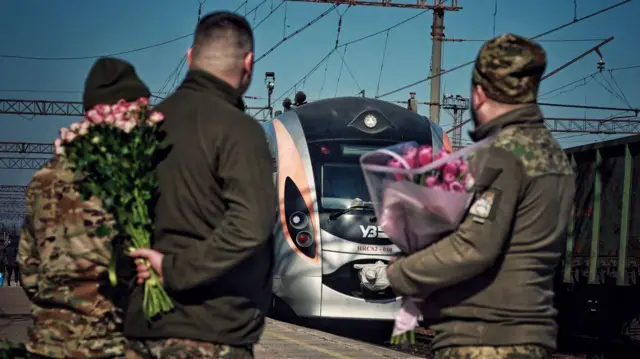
{"x":338,"y":173}
{"x":341,"y":184}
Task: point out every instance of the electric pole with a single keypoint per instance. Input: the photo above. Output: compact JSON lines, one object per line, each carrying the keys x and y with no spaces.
{"x":458,"y":105}
{"x":437,"y":36}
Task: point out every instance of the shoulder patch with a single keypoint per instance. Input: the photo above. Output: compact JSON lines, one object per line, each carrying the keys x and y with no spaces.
{"x":536,"y":148}
{"x":483,"y":206}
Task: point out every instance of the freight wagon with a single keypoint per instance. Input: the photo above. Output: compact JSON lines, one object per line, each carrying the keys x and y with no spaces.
{"x":598,"y":283}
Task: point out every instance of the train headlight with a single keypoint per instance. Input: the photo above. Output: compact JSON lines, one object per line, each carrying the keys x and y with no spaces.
{"x":370,"y":121}
{"x":298,"y":220}
{"x":304,"y":239}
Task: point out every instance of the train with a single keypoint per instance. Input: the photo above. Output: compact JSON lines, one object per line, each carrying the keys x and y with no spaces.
{"x":598,"y":281}
{"x":330,"y":253}
{"x":326,"y":232}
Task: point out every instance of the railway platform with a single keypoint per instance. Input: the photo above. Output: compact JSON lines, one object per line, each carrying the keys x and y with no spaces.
{"x":280,"y":340}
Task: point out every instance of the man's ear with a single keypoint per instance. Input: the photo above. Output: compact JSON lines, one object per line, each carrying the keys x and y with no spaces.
{"x":479,"y":97}
{"x":189,"y":56}
{"x":248,"y":62}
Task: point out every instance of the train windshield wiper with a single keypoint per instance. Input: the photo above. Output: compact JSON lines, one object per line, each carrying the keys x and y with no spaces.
{"x":354,"y":205}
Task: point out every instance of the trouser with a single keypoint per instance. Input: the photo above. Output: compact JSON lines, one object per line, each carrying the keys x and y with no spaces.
{"x":174,"y":348}
{"x":37,"y":356}
{"x":11,"y":270}
{"x":491,"y":352}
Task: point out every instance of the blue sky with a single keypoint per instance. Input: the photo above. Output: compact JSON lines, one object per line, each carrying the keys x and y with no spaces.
{"x":75,"y":28}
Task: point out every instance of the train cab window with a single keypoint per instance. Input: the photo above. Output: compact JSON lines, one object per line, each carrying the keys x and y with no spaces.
{"x":341,"y":184}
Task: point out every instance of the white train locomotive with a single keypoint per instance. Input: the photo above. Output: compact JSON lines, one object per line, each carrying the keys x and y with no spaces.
{"x":330,"y":253}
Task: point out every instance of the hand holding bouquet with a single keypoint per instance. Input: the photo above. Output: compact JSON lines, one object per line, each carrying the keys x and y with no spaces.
{"x":112,"y":153}
{"x":419,"y":196}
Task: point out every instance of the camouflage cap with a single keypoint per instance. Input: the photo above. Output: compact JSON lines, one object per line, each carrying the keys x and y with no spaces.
{"x":509,"y":68}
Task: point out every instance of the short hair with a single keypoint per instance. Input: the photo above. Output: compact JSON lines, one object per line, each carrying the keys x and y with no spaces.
{"x":221,"y":41}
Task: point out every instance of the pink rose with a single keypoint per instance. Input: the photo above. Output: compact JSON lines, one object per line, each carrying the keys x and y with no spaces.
{"x":411,"y":156}
{"x":134,"y":107}
{"x":456,"y":187}
{"x":398,"y":165}
{"x":103,"y":109}
{"x":75,"y":127}
{"x":66,"y":135}
{"x":119,"y":108}
{"x":450,"y":168}
{"x":155,"y":117}
{"x":110,"y":120}
{"x":119,"y":117}
{"x":59,"y":148}
{"x":95,"y":116}
{"x":432,"y":181}
{"x":84,"y":127}
{"x":425,"y":155}
{"x":128,"y":126}
{"x":441,"y":155}
{"x":143,"y":101}
{"x":449,"y":178}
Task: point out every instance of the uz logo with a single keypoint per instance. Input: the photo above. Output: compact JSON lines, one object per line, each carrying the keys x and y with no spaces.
{"x":372,"y":232}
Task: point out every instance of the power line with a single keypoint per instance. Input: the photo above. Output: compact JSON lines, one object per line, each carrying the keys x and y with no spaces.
{"x":68,"y":58}
{"x":20,"y":57}
{"x":307,"y":75}
{"x":345,"y":45}
{"x":585,"y":78}
{"x":288,"y":37}
{"x":384,"y":30}
{"x":556,"y":40}
{"x":271,"y":12}
{"x":532,"y":38}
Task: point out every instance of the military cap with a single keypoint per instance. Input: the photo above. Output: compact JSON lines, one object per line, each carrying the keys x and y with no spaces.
{"x":509,"y":68}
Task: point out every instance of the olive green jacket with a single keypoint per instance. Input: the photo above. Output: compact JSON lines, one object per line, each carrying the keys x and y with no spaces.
{"x":491,"y":281}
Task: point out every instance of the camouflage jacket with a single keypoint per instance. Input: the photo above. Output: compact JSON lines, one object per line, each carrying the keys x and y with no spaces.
{"x":490,"y":282}
{"x":64,"y":267}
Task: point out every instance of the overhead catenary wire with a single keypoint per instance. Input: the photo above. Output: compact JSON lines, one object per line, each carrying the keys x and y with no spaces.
{"x":615,"y":82}
{"x":301,"y":29}
{"x":551,"y":40}
{"x":89,"y":57}
{"x":345,"y":45}
{"x":532,"y":38}
{"x":271,"y":12}
{"x":340,"y":72}
{"x":384,"y":53}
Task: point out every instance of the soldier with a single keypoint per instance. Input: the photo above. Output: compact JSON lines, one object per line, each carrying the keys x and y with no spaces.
{"x":490,"y":283}
{"x":213,"y":245}
{"x":64,"y":263}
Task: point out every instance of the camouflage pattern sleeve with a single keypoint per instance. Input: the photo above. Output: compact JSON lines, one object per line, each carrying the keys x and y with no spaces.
{"x":477,"y":242}
{"x":28,"y":258}
{"x":65,"y":262}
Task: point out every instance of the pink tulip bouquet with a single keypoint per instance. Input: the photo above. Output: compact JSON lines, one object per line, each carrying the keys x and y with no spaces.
{"x":112,"y":154}
{"x":419,"y":196}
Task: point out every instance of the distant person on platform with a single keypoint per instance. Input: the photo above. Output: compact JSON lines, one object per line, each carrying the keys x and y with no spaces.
{"x":3,"y":250}
{"x":77,"y":312}
{"x":213,"y":246}
{"x":488,"y":287}
{"x":11,"y":256}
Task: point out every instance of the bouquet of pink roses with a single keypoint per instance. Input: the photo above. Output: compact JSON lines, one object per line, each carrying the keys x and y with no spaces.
{"x":419,"y":196}
{"x":112,"y":154}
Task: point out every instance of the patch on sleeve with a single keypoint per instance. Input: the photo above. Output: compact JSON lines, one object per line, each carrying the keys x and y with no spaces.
{"x":484,"y":206}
